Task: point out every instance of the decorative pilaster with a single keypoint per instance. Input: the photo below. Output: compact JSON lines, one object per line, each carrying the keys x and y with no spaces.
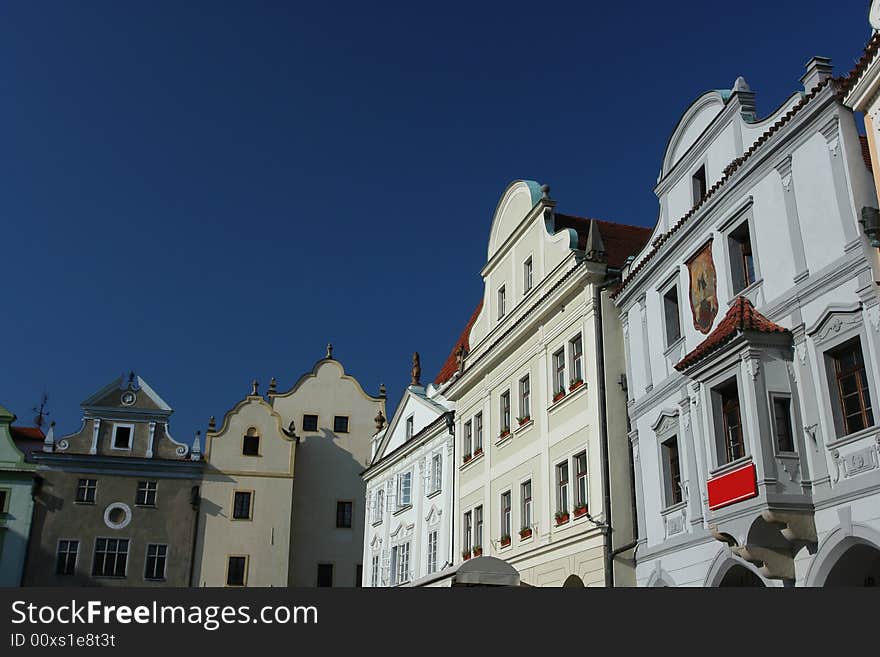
{"x":793,"y":220}
{"x":831,"y":132}
{"x":96,"y":428}
{"x":646,"y":345}
{"x":151,"y":439}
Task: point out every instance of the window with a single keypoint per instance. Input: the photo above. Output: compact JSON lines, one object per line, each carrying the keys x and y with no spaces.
{"x":122,"y":436}
{"x":525,"y":398}
{"x":250,"y":444}
{"x":432,"y":552}
{"x":85,"y":491}
{"x":576,"y":348}
{"x":562,"y":487}
{"x":505,"y":514}
{"x":505,"y":411}
{"x":580,"y":470}
{"x":404,"y":490}
{"x":325,"y":574}
{"x":146,"y":493}
{"x":236,"y":570}
{"x":671,"y":471}
{"x":468,"y":531}
{"x":409,"y":427}
{"x":379,"y":509}
{"x":698,"y":184}
{"x":310,"y":422}
{"x":436,"y":472}
{"x":526,"y":504}
{"x":111,"y":557}
{"x":4,"y":500}
{"x":241,"y":505}
{"x":374,"y":571}
{"x":853,"y":395}
{"x":468,"y":436}
{"x":66,"y":562}
{"x":154,"y":567}
{"x":400,"y":563}
{"x":478,"y":526}
{"x":734,"y":444}
{"x":478,"y":431}
{"x":343,"y":514}
{"x":502,"y":302}
{"x":559,"y":372}
{"x":782,"y":422}
{"x":742,"y":262}
{"x":527,"y":276}
{"x":672,"y":315}
{"x":340,"y":424}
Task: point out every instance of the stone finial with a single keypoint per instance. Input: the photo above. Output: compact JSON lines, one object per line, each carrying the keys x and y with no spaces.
{"x":741,"y":85}
{"x":819,"y":69}
{"x":595,"y":247}
{"x":256,"y":385}
{"x":416,"y":370}
{"x":459,"y":358}
{"x":379,"y":420}
{"x":382,"y":390}
{"x":273,"y":385}
{"x":196,"y":452}
{"x":49,"y":441}
{"x":545,"y":192}
{"x":329,"y":350}
{"x":212,"y":423}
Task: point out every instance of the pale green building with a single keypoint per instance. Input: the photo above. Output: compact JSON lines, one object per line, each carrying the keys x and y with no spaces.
{"x":16,"y":504}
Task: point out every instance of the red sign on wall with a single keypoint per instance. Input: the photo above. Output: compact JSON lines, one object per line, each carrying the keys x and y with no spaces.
{"x":733,"y":486}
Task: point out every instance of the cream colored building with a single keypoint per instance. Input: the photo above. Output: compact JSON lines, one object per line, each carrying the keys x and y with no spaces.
{"x":282,"y":498}
{"x":543,"y":473}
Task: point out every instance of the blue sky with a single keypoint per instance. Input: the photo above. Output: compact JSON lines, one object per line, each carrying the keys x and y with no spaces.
{"x":208,"y":193}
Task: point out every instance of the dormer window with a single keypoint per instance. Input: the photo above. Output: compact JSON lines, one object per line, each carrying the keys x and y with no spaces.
{"x":527,"y":276}
{"x":250,"y":443}
{"x":122,"y":434}
{"x":698,"y":184}
{"x":742,"y":261}
{"x":409,"y":427}
{"x":502,"y":302}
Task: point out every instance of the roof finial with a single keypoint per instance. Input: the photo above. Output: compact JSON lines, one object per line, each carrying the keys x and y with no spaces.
{"x":379,"y":420}
{"x":416,"y":370}
{"x":41,"y":412}
{"x":256,"y":385}
{"x":212,"y":423}
{"x":49,"y":441}
{"x":545,"y":192}
{"x":459,"y":358}
{"x":329,"y":350}
{"x":382,"y":390}
{"x":196,"y":452}
{"x":273,"y":384}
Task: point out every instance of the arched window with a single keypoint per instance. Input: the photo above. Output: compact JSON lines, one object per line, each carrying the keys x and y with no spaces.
{"x":250,"y":444}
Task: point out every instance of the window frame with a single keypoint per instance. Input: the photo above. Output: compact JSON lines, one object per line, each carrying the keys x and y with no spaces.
{"x":244,"y":573}
{"x":701,"y":180}
{"x":672,"y":492}
{"x":525,"y":397}
{"x":467,"y":439}
{"x":580,"y":475}
{"x":116,"y":554}
{"x":563,"y":486}
{"x":576,"y":359}
{"x":233,"y":507}
{"x":478,"y":526}
{"x":436,"y":473}
{"x":433,"y":542}
{"x":774,"y":397}
{"x":671,"y":340}
{"x":722,"y":448}
{"x":75,"y":553}
{"x":122,"y":425}
{"x":409,"y":427}
{"x":501,"y":298}
{"x":863,"y":387}
{"x":526,"y":504}
{"x":244,"y":441}
{"x":478,"y":430}
{"x":399,"y":503}
{"x":504,"y":410}
{"x":337,"y":418}
{"x":736,"y":270}
{"x":350,"y":504}
{"x":528,"y":275}
{"x":317,"y":424}
{"x":506,"y":513}
{"x":558,"y":364}
{"x":93,"y":488}
{"x":468,"y":533}
{"x":155,"y":491}
{"x":164,"y":558}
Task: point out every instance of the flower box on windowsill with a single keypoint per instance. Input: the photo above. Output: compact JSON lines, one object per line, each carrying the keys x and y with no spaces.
{"x":478,"y":551}
{"x":577,"y":383}
{"x":466,"y":458}
{"x":466,"y":554}
{"x":524,"y":533}
{"x":558,"y":395}
{"x":524,"y":420}
{"x":478,"y":452}
{"x":504,"y":434}
{"x":580,"y":511}
{"x":505,"y":540}
{"x":561,"y":518}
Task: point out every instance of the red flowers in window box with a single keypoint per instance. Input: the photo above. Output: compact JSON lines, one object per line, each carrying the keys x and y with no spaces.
{"x":505,"y":540}
{"x":523,"y":420}
{"x":478,"y":551}
{"x":561,"y":517}
{"x":575,"y":384}
{"x":466,"y":554}
{"x":559,"y":394}
{"x":580,"y":510}
{"x":525,"y":533}
{"x":478,"y":451}
{"x":504,"y":434}
{"x":466,"y":458}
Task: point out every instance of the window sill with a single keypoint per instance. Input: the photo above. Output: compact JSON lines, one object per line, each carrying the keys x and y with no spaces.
{"x":503,"y":440}
{"x":852,"y":438}
{"x":401,"y":509}
{"x":84,"y":503}
{"x":674,"y":346}
{"x":745,"y":292}
{"x":435,"y":493}
{"x":470,"y":461}
{"x":145,"y":506}
{"x":569,"y":395}
{"x":729,"y":467}
{"x":376,"y":523}
{"x":525,"y":425}
{"x":678,"y":506}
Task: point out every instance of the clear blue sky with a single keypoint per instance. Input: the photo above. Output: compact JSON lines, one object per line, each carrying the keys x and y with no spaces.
{"x":210,"y":192}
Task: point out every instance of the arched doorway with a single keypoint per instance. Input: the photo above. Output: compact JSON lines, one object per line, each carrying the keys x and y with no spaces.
{"x":739,"y":575}
{"x":858,"y":566}
{"x":573,"y":580}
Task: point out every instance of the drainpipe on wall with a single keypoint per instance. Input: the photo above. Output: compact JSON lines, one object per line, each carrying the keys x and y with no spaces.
{"x":603,"y":432}
{"x":195,"y":501}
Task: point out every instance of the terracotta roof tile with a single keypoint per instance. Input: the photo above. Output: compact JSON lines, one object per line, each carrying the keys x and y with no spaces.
{"x":741,"y":317}
{"x":27,"y":433}
{"x":620,"y":240}
{"x":451,"y":365}
{"x":847,"y":82}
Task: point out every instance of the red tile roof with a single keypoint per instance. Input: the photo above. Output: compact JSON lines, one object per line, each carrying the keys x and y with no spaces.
{"x":847,"y":82}
{"x":27,"y":433}
{"x":741,"y":317}
{"x":620,"y":240}
{"x":451,"y":365}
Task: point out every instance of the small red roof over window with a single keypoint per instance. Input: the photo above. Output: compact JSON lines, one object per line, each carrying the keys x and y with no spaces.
{"x":741,"y":317}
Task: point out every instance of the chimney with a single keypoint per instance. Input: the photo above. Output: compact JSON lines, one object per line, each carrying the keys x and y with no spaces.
{"x":819,"y":69}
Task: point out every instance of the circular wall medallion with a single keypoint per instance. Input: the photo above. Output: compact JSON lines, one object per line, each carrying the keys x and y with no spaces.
{"x":117,"y":515}
{"x":128,"y":398}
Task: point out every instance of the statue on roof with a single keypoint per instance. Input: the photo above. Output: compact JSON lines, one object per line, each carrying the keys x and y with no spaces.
{"x":416,"y":370}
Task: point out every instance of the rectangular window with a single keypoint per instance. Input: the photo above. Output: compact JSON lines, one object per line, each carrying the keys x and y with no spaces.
{"x":672,"y":315}
{"x":236,"y":571}
{"x":782,"y":422}
{"x":731,"y":423}
{"x":478,"y":431}
{"x":525,"y":398}
{"x":853,"y":395}
{"x":436,"y":472}
{"x":698,"y":184}
{"x":478,"y":526}
{"x":241,"y":505}
{"x":379,"y":507}
{"x":85,"y":491}
{"x":562,"y":487}
{"x":468,"y":531}
{"x":559,"y":372}
{"x":409,"y":428}
{"x":340,"y":424}
{"x":502,"y":302}
{"x":576,"y":348}
{"x":468,"y":436}
{"x":580,"y":469}
{"x":111,"y":557}
{"x":374,"y":572}
{"x":250,"y":443}
{"x":343,"y":514}
{"x":325,"y":574}
{"x":526,"y":504}
{"x":432,"y":552}
{"x":310,"y":422}
{"x":404,"y":490}
{"x":403,"y":574}
{"x":527,"y":276}
{"x":66,"y":561}
{"x":505,"y":515}
{"x":154,"y":566}
{"x":505,"y":411}
{"x":122,"y":436}
{"x":671,"y":471}
{"x":742,"y":262}
{"x":146,"y":493}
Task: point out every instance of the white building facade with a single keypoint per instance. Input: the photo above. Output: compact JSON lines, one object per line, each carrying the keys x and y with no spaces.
{"x":751,"y":329}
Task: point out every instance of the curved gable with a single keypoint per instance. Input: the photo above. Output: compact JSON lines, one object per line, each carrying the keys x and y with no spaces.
{"x":516,"y":202}
{"x":691,"y":125}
